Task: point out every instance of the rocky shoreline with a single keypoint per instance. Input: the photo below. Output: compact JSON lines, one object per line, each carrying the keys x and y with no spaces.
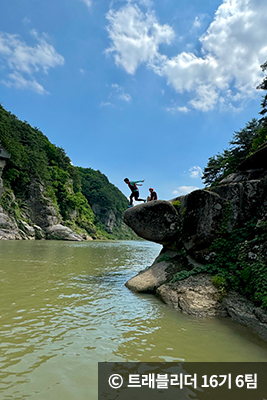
{"x":187,"y":226}
{"x":49,"y":198}
{"x":43,"y":219}
{"x":39,"y":219}
{"x":198,"y":296}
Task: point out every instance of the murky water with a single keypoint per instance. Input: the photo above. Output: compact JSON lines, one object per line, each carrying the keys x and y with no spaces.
{"x":64,"y":307}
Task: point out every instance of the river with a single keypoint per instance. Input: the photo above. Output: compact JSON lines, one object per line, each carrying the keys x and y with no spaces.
{"x":64,"y":307}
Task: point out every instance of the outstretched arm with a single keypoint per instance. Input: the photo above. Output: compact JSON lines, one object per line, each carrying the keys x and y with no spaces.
{"x":136,"y":182}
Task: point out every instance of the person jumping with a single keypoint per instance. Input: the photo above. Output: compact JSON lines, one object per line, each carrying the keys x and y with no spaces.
{"x":134,"y":189}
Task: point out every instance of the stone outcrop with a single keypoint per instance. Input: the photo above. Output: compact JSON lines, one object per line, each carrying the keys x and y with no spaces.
{"x":40,"y":208}
{"x":156,"y":221}
{"x":107,"y":218}
{"x":195,"y":295}
{"x":162,"y":270}
{"x":187,"y":226}
{"x":4,"y":156}
{"x":9,"y":229}
{"x":39,"y":219}
{"x":198,"y":296}
{"x":61,"y":232}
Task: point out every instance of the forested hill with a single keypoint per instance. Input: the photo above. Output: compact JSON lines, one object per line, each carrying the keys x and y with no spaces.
{"x":41,"y":187}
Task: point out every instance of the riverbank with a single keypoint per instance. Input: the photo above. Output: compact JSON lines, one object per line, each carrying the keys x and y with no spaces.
{"x":44,"y":196}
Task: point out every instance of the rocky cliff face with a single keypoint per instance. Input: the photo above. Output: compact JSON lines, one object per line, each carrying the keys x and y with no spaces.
{"x":188,"y":226}
{"x":37,"y":218}
{"x":107,"y":218}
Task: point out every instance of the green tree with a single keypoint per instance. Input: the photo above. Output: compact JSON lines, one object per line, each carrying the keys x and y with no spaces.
{"x":73,"y":190}
{"x":262,"y":134}
{"x":263,"y":86}
{"x":244,"y":143}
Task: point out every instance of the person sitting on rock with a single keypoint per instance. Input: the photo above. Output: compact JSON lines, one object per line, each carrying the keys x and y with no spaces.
{"x":134,"y":189}
{"x":153,"y":195}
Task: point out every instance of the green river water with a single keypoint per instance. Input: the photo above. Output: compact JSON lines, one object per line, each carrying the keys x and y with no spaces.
{"x":64,"y":307}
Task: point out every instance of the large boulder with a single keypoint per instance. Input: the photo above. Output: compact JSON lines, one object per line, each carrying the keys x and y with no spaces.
{"x":195,"y":295}
{"x":157,"y":221}
{"x":200,"y":214}
{"x":61,"y":232}
{"x":7,"y":234}
{"x":203,"y":214}
{"x":168,"y":263}
{"x":245,"y":199}
{"x":150,"y":279}
{"x":6,"y":222}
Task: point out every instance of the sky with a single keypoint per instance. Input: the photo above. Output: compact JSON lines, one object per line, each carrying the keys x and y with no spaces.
{"x":135,"y":88}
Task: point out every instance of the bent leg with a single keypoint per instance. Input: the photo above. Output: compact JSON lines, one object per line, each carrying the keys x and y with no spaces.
{"x":136,"y":196}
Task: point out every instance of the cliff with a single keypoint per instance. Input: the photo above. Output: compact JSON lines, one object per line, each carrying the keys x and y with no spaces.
{"x":214,"y":255}
{"x":43,"y":196}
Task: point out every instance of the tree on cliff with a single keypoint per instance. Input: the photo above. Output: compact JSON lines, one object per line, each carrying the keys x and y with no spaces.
{"x":263,"y":86}
{"x":244,"y":143}
{"x":223,"y":164}
{"x":72,"y":189}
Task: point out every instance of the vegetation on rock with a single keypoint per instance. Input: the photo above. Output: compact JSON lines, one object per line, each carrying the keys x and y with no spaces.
{"x":73,"y":190}
{"x":244,"y":143}
{"x":237,"y":257}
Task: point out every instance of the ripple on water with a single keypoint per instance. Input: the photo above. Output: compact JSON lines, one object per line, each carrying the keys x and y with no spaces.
{"x":64,"y":307}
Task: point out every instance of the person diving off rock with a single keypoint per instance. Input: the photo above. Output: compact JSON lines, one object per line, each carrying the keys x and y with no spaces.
{"x":134,"y":189}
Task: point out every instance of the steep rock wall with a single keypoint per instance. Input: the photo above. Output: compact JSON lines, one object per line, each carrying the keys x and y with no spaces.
{"x":188,"y":226}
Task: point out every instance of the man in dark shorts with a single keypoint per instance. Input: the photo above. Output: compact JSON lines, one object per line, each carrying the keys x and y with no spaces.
{"x":134,"y":189}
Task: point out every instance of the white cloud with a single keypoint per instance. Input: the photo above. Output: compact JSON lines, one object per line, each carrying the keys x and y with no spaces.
{"x":225,"y":72}
{"x":22,"y":61}
{"x":195,"y":172}
{"x":17,"y":81}
{"x":135,"y":36}
{"x":232,"y":51}
{"x":87,"y":2}
{"x":26,"y":21}
{"x":125,"y":97}
{"x":118,"y":92}
{"x":175,"y":109}
{"x":183,"y":109}
{"x":183,"y":190}
{"x":106,"y":104}
{"x":198,"y":21}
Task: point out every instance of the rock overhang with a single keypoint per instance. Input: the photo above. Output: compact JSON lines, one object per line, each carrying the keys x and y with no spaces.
{"x":156,"y":221}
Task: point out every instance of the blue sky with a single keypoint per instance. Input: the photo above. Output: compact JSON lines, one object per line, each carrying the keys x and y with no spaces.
{"x":140,"y":89}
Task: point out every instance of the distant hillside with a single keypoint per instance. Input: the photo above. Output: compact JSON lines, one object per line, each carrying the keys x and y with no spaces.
{"x":43,"y":188}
